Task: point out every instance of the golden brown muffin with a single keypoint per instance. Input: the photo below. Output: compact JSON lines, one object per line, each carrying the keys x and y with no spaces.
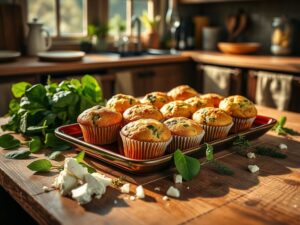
{"x":213,"y":98}
{"x":148,"y":130}
{"x":197,"y":103}
{"x":182,"y":126}
{"x":99,"y":116}
{"x":238,"y":106}
{"x":182,"y":92}
{"x":157,"y":99}
{"x":121,"y":102}
{"x":176,"y":109}
{"x":212,"y":117}
{"x":142,"y":111}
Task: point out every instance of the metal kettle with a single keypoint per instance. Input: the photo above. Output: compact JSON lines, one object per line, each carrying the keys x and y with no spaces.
{"x":36,"y":41}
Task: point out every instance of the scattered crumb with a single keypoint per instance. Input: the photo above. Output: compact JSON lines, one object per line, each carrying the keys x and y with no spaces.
{"x":165,"y":198}
{"x":140,"y":192}
{"x":173,"y":192}
{"x":125,"y":188}
{"x":283,"y":146}
{"x":46,"y":189}
{"x":132,"y":198}
{"x":188,"y":187}
{"x":157,"y":189}
{"x":253,"y":168}
{"x":251,"y":155}
{"x":115,"y":202}
{"x":177,"y":178}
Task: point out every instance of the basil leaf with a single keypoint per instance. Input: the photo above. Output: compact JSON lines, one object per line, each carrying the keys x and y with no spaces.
{"x":40,"y":165}
{"x":19,"y":89}
{"x":35,"y":144}
{"x":91,"y":88}
{"x":53,"y":142}
{"x":209,"y":152}
{"x":36,"y":93}
{"x":7,"y":141}
{"x":56,"y":155}
{"x":80,"y":156}
{"x":20,"y":154}
{"x":187,"y":166}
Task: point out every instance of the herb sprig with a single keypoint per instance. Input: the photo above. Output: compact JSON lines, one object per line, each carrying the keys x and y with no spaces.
{"x":281,"y":130}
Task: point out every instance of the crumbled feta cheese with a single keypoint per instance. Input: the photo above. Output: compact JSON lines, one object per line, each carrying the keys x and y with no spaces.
{"x":102,"y":178}
{"x":173,"y":192}
{"x":253,"y":168}
{"x":132,"y":198}
{"x":283,"y":146}
{"x":95,"y":187}
{"x":251,"y":155}
{"x":74,"y":168}
{"x":188,"y":187}
{"x":115,"y":202}
{"x":177,"y":178}
{"x":82,"y":194}
{"x":46,"y":189}
{"x":157,"y":189}
{"x":65,"y":182}
{"x":165,"y":198}
{"x":140,"y":192}
{"x":125,"y":188}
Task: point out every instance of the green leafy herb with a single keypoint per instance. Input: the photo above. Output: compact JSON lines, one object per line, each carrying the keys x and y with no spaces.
{"x":242,"y":145}
{"x":268,"y":151}
{"x":209,"y":152}
{"x":19,"y":89}
{"x":80,"y":156}
{"x":56,"y":144}
{"x":281,"y":130}
{"x":40,"y":165}
{"x":20,"y":154}
{"x":119,"y":181}
{"x":154,"y":130}
{"x":187,"y":166}
{"x":35,"y":144}
{"x":8,"y":141}
{"x":56,"y":155}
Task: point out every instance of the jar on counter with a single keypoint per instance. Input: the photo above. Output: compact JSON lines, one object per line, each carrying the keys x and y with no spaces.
{"x":281,"y":36}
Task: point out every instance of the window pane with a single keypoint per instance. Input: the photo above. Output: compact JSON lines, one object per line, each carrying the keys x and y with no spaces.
{"x":140,"y":6}
{"x":116,"y":14}
{"x":73,"y":17}
{"x":44,"y":11}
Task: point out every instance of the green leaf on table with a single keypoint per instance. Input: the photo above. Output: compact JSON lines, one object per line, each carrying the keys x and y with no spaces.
{"x":19,"y":154}
{"x":80,"y":156}
{"x":241,"y":141}
{"x":35,"y":144}
{"x":187,"y":166}
{"x":40,"y":165}
{"x":281,"y":130}
{"x":8,"y":141}
{"x":19,"y":89}
{"x":209,"y":152}
{"x":54,"y":142}
{"x":56,"y":155}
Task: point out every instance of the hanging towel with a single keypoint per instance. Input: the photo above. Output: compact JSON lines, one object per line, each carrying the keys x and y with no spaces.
{"x":273,"y":89}
{"x":217,"y":79}
{"x":124,"y":83}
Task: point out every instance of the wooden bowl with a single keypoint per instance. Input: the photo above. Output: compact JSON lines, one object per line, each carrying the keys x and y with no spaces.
{"x":239,"y":48}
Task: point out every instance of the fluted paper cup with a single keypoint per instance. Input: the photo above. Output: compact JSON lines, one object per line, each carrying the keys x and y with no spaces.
{"x":241,"y":124}
{"x":215,"y":132}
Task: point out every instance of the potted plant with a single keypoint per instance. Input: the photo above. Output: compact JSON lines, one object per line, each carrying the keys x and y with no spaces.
{"x":151,"y":38}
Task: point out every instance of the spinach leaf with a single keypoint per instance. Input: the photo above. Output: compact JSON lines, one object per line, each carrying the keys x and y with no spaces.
{"x":19,"y":89}
{"x":20,"y":154}
{"x":56,"y":155}
{"x":80,"y":156}
{"x":35,"y":144}
{"x":7,"y":141}
{"x":53,"y":142}
{"x":209,"y":152}
{"x":40,"y":165}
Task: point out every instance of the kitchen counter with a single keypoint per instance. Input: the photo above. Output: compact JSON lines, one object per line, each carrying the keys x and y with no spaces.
{"x":271,"y":196}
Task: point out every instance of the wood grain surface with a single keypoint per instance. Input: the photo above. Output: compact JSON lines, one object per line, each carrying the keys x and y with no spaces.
{"x":271,"y":196}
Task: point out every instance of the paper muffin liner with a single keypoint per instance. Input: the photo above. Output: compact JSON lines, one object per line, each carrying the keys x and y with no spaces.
{"x":215,"y":132}
{"x":183,"y":143}
{"x":143,"y":149}
{"x":100,"y":135}
{"x":241,"y":124}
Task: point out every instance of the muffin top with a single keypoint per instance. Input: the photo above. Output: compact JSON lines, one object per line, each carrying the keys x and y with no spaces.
{"x":213,"y":98}
{"x":182,"y":126}
{"x":182,"y":92}
{"x":197,"y":103}
{"x":141,"y":111}
{"x":99,"y":116}
{"x":238,"y":106}
{"x":212,"y":116}
{"x":147,"y":130}
{"x":121,"y":102}
{"x":176,"y":108}
{"x":158,"y":99}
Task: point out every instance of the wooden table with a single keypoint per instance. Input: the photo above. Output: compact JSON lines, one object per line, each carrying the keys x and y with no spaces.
{"x":271,"y":196}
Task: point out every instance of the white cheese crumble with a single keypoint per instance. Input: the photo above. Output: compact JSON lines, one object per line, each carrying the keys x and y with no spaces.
{"x":165,"y":198}
{"x":65,"y":182}
{"x":115,"y":202}
{"x":157,"y":189}
{"x":140,"y":192}
{"x":46,"y":189}
{"x":132,"y":198}
{"x":82,"y":194}
{"x":173,"y":192}
{"x":74,"y":168}
{"x":188,"y":187}
{"x":177,"y":178}
{"x":251,"y":155}
{"x":253,"y":168}
{"x":125,"y":188}
{"x":283,"y":146}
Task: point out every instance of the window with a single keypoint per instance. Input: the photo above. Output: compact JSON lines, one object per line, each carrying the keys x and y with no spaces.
{"x":63,"y":18}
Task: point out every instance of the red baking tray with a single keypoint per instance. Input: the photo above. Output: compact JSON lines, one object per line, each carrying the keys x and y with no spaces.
{"x":111,"y":154}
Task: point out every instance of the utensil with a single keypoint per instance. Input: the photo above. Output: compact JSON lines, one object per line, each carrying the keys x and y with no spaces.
{"x":61,"y":56}
{"x":6,"y":56}
{"x":230,"y":25}
{"x":239,"y":48}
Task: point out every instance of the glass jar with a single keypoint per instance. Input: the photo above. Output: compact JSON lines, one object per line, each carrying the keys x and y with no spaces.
{"x":281,"y":36}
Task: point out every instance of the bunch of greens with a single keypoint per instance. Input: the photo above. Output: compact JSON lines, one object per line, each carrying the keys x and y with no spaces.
{"x":281,"y":130}
{"x":37,"y":110}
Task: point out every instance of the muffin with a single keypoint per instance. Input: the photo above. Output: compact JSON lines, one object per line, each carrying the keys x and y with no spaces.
{"x":186,"y":133}
{"x":213,"y":98}
{"x":176,"y":109}
{"x":141,"y":111}
{"x":182,"y":92}
{"x":216,"y":122}
{"x":145,"y":139}
{"x":121,"y":102}
{"x":157,"y":99}
{"x":100,"y":125}
{"x":197,"y":103}
{"x":241,"y":109}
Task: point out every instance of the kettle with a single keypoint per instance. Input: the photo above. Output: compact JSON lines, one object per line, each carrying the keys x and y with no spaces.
{"x":36,"y":42}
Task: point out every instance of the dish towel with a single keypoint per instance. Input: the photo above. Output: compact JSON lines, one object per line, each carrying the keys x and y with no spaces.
{"x":124,"y":83}
{"x":273,"y":89}
{"x":216,"y":79}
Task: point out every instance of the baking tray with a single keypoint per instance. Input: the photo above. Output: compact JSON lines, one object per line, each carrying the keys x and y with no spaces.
{"x":111,"y":155}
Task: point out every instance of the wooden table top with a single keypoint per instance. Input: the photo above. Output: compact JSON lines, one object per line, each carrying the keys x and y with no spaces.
{"x":271,"y":196}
